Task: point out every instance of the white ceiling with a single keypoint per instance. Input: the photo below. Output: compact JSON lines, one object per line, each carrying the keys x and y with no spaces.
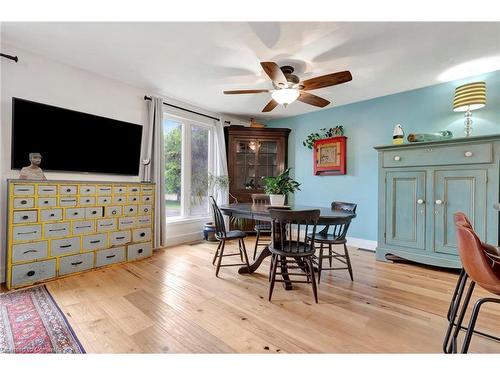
{"x":195,"y":62}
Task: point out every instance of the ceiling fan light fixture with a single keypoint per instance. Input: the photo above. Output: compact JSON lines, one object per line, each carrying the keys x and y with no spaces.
{"x":285,"y":96}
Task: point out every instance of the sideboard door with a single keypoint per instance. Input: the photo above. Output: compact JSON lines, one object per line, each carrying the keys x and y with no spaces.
{"x":458,"y":191}
{"x":405,"y":213}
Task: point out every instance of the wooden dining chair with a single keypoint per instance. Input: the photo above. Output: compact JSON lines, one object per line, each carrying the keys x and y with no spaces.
{"x":291,"y":248}
{"x":480,"y":265}
{"x":335,"y":234}
{"x":223,"y":236}
{"x":261,"y":227}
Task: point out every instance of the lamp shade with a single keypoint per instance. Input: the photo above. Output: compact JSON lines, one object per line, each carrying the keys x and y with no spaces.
{"x":469,"y":97}
{"x":285,"y":96}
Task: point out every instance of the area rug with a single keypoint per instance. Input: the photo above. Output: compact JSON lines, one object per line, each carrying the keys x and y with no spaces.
{"x":31,"y":322}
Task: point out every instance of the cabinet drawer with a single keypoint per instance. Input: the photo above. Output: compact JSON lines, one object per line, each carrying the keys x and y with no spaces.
{"x":147,"y":190}
{"x":86,"y":201}
{"x":67,"y":201}
{"x":94,"y":242}
{"x":87,"y":190}
{"x":147,"y":198}
{"x":134,"y":190}
{"x":133,"y":199}
{"x":27,"y":232}
{"x":141,"y":234}
{"x":64,"y":246}
{"x":119,"y":238}
{"x":130,"y":210}
{"x":93,"y":212}
{"x":111,"y":211}
{"x":51,"y":215}
{"x":24,"y":189}
{"x":119,"y":199}
{"x":103,"y":200}
{"x":25,"y":274}
{"x":56,"y":230}
{"x":82,"y":227}
{"x":144,"y":221}
{"x":119,"y":190}
{"x":21,"y":217}
{"x":110,"y":256}
{"x":29,"y":251}
{"x":448,"y":155}
{"x":67,"y":189}
{"x":145,"y":209}
{"x":126,"y":223}
{"x":47,"y":190}
{"x":74,"y":213}
{"x":75,"y":263}
{"x":106,"y":225}
{"x":46,"y":202}
{"x":104,"y":190}
{"x":24,"y":202}
{"x":140,"y":250}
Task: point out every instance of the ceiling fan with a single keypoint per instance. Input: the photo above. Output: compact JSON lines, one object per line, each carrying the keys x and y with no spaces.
{"x":288,"y":87}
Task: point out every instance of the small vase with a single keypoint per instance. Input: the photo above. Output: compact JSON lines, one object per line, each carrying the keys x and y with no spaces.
{"x":209,"y":232}
{"x":277,"y":199}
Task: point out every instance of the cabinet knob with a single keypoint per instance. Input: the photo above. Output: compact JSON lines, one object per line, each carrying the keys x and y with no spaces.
{"x":397,"y":158}
{"x":468,"y":154}
{"x":420,"y":201}
{"x":439,"y":202}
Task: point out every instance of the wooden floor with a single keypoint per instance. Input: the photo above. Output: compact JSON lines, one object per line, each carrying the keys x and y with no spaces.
{"x":173,"y":303}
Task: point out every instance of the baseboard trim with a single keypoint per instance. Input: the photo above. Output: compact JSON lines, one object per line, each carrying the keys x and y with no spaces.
{"x":184,"y":238}
{"x":362,"y":243}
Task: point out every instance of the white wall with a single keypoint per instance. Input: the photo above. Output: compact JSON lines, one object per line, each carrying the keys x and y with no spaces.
{"x":43,"y":80}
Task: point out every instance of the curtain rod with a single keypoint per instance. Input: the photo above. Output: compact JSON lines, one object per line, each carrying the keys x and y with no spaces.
{"x":9,"y":57}
{"x":185,"y":109}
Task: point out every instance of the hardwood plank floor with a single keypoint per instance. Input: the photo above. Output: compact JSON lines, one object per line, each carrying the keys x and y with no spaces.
{"x":173,"y":303}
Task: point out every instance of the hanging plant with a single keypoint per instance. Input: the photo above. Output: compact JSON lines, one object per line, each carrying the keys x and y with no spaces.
{"x":325,"y":133}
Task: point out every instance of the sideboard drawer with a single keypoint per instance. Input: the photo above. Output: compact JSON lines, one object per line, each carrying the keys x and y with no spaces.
{"x":134,"y":189}
{"x":139,"y":250}
{"x":56,"y":230}
{"x":74,"y":213}
{"x":104,"y":190}
{"x":24,"y":202}
{"x":94,"y":242}
{"x":126,"y":223}
{"x":86,"y":201}
{"x":144,"y":221}
{"x":119,"y":199}
{"x":130,"y":210}
{"x":119,"y":238}
{"x":82,"y":227}
{"x":21,"y":217}
{"x":112,"y":211}
{"x":147,"y":190}
{"x":147,"y":198}
{"x":92,"y":212}
{"x":24,"y":189}
{"x":106,"y":225}
{"x":29,"y":251}
{"x":27,"y":232}
{"x":64,"y":246}
{"x":67,"y":201}
{"x":67,"y":189}
{"x":76,"y":263}
{"x":119,"y":190}
{"x":447,"y":155}
{"x":110,"y":256}
{"x":104,"y":200}
{"x":30,"y":273}
{"x":51,"y":215}
{"x":47,"y":202}
{"x":145,"y":209}
{"x":47,"y":190}
{"x":87,"y":190}
{"x":133,"y":199}
{"x":141,"y":234}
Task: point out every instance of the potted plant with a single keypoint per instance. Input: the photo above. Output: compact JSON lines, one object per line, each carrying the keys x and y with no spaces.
{"x":278,"y":187}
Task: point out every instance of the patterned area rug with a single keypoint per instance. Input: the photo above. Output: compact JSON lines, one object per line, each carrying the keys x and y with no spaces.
{"x":31,"y":322}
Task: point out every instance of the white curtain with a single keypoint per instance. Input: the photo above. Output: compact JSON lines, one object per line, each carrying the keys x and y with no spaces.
{"x":221,"y":196}
{"x":155,"y":171}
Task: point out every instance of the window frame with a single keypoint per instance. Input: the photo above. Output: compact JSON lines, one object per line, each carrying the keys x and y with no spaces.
{"x":186,"y":165}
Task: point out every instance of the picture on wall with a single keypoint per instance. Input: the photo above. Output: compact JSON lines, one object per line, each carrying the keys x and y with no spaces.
{"x":330,"y":156}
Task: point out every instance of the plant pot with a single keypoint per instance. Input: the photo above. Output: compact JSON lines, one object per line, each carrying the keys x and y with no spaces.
{"x":277,"y":199}
{"x":209,"y":232}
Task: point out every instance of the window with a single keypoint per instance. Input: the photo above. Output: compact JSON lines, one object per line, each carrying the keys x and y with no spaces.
{"x":188,"y":161}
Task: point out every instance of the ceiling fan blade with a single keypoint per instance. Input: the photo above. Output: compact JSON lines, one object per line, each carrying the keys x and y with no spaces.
{"x":274,"y":72}
{"x":244,"y":91}
{"x":311,"y":99}
{"x":327,"y":80}
{"x":270,"y":106}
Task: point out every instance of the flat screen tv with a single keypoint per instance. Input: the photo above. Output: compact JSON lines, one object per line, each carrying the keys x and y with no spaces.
{"x":73,"y":141}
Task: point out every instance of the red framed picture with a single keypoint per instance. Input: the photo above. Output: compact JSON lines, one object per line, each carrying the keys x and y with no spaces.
{"x":330,"y":156}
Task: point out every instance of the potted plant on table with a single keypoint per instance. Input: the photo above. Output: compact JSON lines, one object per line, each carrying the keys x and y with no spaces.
{"x":278,"y":187}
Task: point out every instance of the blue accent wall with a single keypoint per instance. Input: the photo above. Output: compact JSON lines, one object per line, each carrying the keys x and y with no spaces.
{"x":370,"y":123}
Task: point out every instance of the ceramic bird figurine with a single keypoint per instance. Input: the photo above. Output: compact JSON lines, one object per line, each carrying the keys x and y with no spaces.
{"x":398,"y":136}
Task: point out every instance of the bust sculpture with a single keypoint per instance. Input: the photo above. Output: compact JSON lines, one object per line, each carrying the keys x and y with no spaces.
{"x":33,"y":171}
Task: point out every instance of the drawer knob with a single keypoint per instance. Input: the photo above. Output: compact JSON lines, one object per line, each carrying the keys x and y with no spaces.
{"x":76,"y":263}
{"x":68,"y":190}
{"x":140,"y":251}
{"x":46,"y":202}
{"x":25,"y":217}
{"x":52,"y":215}
{"x":110,"y":256}
{"x":113,"y":212}
{"x":24,"y":202}
{"x":468,"y":154}
{"x":397,"y":158}
{"x":30,"y":273}
{"x":87,"y":200}
{"x":94,"y":212}
{"x":420,"y":201}
{"x":439,"y":202}
{"x":146,"y":210}
{"x":75,"y":213}
{"x":131,"y":209}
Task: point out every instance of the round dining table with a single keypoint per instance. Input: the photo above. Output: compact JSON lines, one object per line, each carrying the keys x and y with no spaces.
{"x":260,"y":212}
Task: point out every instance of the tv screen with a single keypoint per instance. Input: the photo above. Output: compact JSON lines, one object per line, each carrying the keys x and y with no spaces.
{"x":73,"y":141}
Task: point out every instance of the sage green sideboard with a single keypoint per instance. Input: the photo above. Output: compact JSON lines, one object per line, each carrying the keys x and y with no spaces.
{"x":421,"y":186}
